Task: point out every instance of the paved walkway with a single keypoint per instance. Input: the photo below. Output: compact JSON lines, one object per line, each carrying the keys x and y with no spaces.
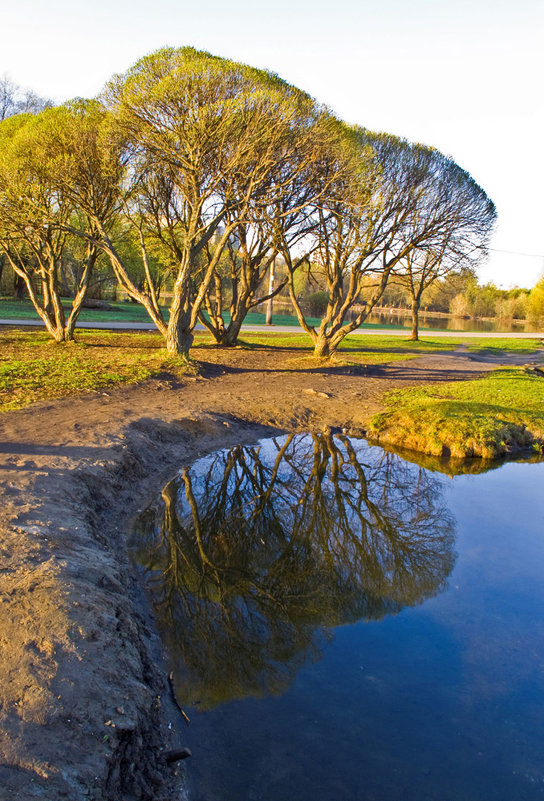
{"x":290,"y":329}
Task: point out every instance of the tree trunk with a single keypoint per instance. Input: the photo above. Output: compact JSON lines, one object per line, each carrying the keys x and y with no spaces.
{"x":57,"y":310}
{"x":270,"y":304}
{"x":81,"y":294}
{"x":415,"y":319}
{"x":179,"y":335}
{"x":226,"y":336}
{"x":216,"y":333}
{"x":214,"y":321}
{"x":322,"y":347}
{"x":232,"y":332}
{"x":18,"y":287}
{"x":58,"y":335}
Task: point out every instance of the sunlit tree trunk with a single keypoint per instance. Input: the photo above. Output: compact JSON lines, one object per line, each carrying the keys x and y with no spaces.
{"x":416,"y":305}
{"x":179,"y":335}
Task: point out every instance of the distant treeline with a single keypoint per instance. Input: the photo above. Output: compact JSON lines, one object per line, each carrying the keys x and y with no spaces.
{"x":463,"y":296}
{"x":459,"y":294}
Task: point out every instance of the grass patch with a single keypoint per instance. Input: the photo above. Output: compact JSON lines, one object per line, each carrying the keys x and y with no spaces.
{"x":353,"y":343}
{"x":122,"y":312}
{"x":501,"y":413}
{"x":11,"y":309}
{"x":506,"y":345}
{"x":33,"y":367}
{"x":379,"y":343}
{"x":253,"y":340}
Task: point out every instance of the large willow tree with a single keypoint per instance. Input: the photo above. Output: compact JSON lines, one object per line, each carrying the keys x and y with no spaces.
{"x":40,"y":224}
{"x":397,"y":199}
{"x":205,"y":140}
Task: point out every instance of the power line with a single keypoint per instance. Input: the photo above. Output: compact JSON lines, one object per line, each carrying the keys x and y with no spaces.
{"x":518,"y":253}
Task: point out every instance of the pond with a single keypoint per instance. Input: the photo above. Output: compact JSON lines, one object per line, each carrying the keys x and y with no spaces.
{"x":345,"y":625}
{"x":444,"y":323}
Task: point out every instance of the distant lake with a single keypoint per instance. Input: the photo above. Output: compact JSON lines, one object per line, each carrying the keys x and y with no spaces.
{"x":454,"y":323}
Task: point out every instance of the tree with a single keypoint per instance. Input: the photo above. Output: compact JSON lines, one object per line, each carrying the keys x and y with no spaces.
{"x":360,"y":231}
{"x":535,"y":302}
{"x":204,"y":140}
{"x":14,"y":100}
{"x":477,"y":301}
{"x":456,"y":218}
{"x":237,"y":276}
{"x":440,"y":294}
{"x":36,"y":219}
{"x":277,"y":218}
{"x":513,"y":304}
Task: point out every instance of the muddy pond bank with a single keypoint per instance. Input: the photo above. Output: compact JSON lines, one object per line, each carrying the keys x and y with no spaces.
{"x":84,"y":702}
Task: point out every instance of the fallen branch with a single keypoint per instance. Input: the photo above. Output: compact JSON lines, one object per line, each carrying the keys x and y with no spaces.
{"x":185,"y":717}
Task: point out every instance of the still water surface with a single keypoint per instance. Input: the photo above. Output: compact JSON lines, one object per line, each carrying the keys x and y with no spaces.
{"x":427,"y":321}
{"x":345,"y":625}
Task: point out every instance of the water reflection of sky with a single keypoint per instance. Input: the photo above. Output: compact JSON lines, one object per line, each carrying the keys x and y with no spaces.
{"x":440,"y":700}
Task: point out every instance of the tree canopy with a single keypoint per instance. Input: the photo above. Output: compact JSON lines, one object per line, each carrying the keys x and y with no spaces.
{"x":39,"y":221}
{"x":15,"y":100}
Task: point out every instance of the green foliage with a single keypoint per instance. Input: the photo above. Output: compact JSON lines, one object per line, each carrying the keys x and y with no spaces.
{"x":439,"y":295}
{"x":185,"y":150}
{"x":535,"y":303}
{"x":316,"y":303}
{"x":489,"y":301}
{"x":44,"y":233}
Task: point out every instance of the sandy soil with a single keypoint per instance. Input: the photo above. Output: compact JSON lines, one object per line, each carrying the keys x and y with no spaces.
{"x":85,"y":710}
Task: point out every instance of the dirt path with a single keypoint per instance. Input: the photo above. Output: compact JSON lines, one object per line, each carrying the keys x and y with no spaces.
{"x":84,"y":706}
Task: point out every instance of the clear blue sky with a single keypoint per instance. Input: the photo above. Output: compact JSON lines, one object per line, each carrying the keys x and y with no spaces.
{"x":463,"y":76}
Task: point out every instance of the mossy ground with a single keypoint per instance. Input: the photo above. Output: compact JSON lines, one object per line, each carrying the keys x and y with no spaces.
{"x":498,"y":414}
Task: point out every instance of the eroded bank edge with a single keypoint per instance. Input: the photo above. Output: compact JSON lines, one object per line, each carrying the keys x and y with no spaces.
{"x":101,"y":730}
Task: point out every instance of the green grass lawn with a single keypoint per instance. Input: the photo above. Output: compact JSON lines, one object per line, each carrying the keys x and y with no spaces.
{"x":356,"y":349}
{"x":508,"y":344}
{"x":377,"y":349}
{"x":11,"y":309}
{"x":489,"y":417}
{"x":33,"y":367}
{"x":122,"y":312}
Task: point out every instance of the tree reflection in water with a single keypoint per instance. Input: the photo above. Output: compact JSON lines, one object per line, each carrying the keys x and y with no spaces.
{"x":259,"y":551}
